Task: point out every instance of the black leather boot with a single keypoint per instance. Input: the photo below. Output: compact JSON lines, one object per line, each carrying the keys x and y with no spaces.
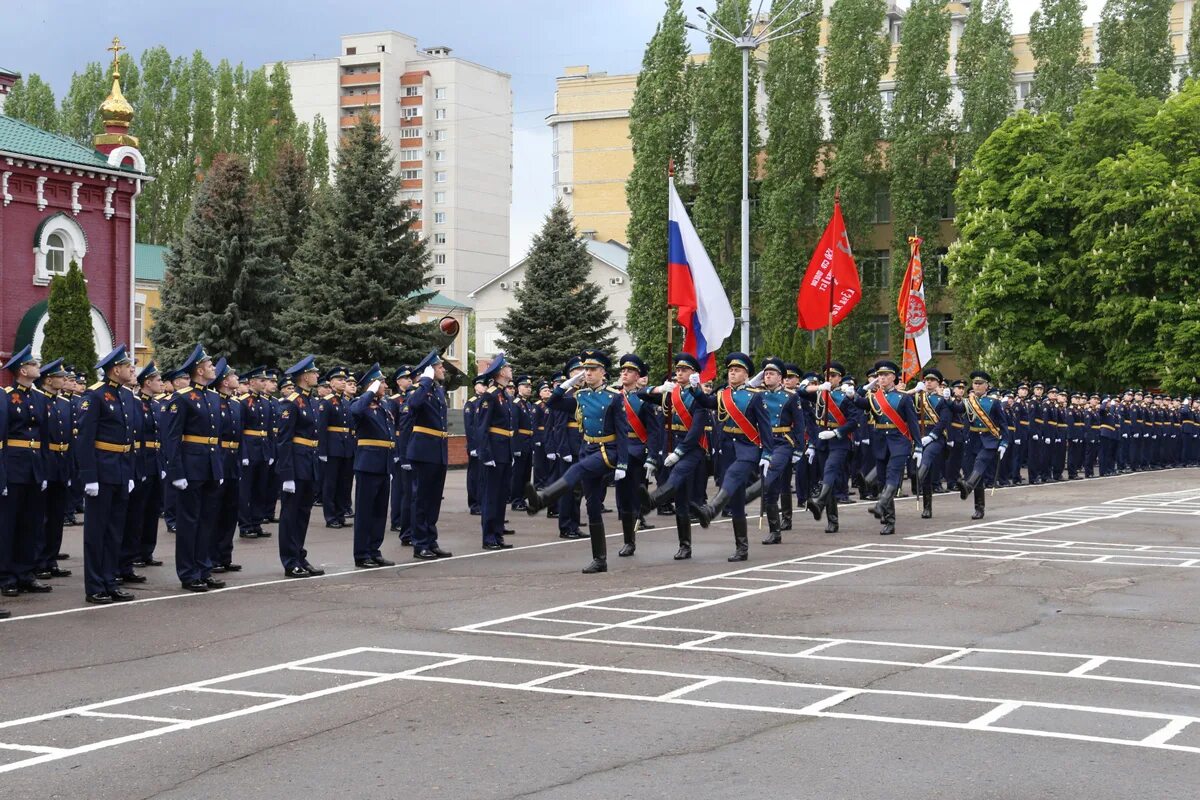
{"x":968,"y":486}
{"x":831,"y":514}
{"x":774,"y":525}
{"x":599,"y":547}
{"x":980,"y":502}
{"x":822,"y":501}
{"x":785,"y":509}
{"x":886,"y":495}
{"x":889,"y":510}
{"x":927,"y":503}
{"x":538,"y":499}
{"x":629,"y":529}
{"x":661,"y":495}
{"x":741,"y":540}
{"x":683,"y":526}
{"x":754,"y":491}
{"x":712,"y":509}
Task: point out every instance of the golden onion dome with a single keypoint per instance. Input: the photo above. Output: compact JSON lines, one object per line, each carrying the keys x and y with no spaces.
{"x":116,"y":110}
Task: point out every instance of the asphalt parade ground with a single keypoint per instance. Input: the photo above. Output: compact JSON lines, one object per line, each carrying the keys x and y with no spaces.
{"x":1051,"y":650}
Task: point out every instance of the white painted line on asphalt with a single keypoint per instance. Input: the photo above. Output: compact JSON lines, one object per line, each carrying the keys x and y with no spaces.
{"x":242,"y":693}
{"x":1002,"y":710}
{"x":140,"y":717}
{"x":1166,"y":733}
{"x":30,"y":748}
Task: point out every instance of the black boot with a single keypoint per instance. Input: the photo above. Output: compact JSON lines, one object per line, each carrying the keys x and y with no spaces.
{"x":887,"y":495}
{"x":599,"y":547}
{"x":927,"y":503}
{"x":889,"y":510}
{"x":979,"y":502}
{"x":683,"y":526}
{"x":658,"y":498}
{"x":785,"y":509}
{"x":629,"y":529}
{"x":821,"y":501}
{"x":774,"y":524}
{"x":741,"y":540}
{"x":712,"y":509}
{"x":754,"y":491}
{"x":538,"y":499}
{"x":831,"y":515}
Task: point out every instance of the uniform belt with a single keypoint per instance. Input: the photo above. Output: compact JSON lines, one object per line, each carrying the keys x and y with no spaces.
{"x":956,"y":424}
{"x":830,"y":423}
{"x":633,"y":435}
{"x":574,"y":425}
{"x":385,"y":443}
{"x":541,"y":427}
{"x":1079,"y":424}
{"x":886,"y":426}
{"x":430,"y":431}
{"x":337,"y":429}
{"x":231,"y":445}
{"x":501,"y":432}
{"x":201,"y":439}
{"x":1107,"y":427}
{"x":781,"y":429}
{"x":136,"y":445}
{"x":304,"y":442}
{"x":113,"y":448}
{"x":1024,"y":422}
{"x":733,"y":429}
{"x":59,"y":448}
{"x":254,"y":432}
{"x":525,"y":431}
{"x":31,"y":444}
{"x":612,"y":437}
{"x":151,"y":445}
{"x":676,"y":427}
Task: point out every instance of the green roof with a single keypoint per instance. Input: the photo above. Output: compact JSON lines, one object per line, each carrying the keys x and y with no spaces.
{"x":149,"y":262}
{"x":24,"y":139}
{"x":441,"y":301}
{"x":11,"y":72}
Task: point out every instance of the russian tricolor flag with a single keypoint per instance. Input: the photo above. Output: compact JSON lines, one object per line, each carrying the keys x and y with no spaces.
{"x":695,"y":290}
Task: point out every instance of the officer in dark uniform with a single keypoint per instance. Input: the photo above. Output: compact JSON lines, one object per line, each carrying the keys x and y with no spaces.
{"x":934,"y":415}
{"x":568,"y":444}
{"x":335,"y":450}
{"x":895,"y":437}
{"x":59,"y":434}
{"x":470,"y":409}
{"x":808,"y":474}
{"x":599,"y":411}
{"x":73,"y":389}
{"x":522,"y":443}
{"x":257,"y":453}
{"x":374,"y":461}
{"x":1110,"y":434}
{"x":4,"y":614}
{"x":1019,"y":417}
{"x":643,"y":434}
{"x":428,"y":453}
{"x":296,"y":463}
{"x":274,"y":394}
{"x":106,"y":467}
{"x":785,"y":417}
{"x":402,"y":476}
{"x":989,"y":438}
{"x":21,"y":526}
{"x":233,"y":461}
{"x":494,"y":430}
{"x":837,"y":420}
{"x":145,"y":502}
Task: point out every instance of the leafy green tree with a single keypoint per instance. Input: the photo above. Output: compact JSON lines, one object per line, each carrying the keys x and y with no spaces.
{"x":69,"y":325}
{"x":1135,"y":41}
{"x":32,"y":100}
{"x":1056,"y":39}
{"x":79,"y":116}
{"x":658,"y":123}
{"x":559,"y":310}
{"x":203,"y":112}
{"x":224,"y":108}
{"x":318,"y":152}
{"x":360,"y":274}
{"x":984,"y":64}
{"x":1193,"y":47}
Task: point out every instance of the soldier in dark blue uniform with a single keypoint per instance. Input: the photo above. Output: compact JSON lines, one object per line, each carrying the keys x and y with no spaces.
{"x":837,"y":420}
{"x":334,"y":450}
{"x":934,"y":415}
{"x":73,"y":389}
{"x":1110,"y":434}
{"x":296,"y":464}
{"x":59,"y":434}
{"x":568,"y":442}
{"x":130,"y":530}
{"x":494,"y":431}
{"x":402,"y":476}
{"x":145,"y":502}
{"x":106,"y":467}
{"x":600,"y":413}
{"x":233,"y":460}
{"x":374,"y":461}
{"x":4,"y":614}
{"x":785,"y":417}
{"x":428,"y":453}
{"x":643,"y":434}
{"x":257,"y":453}
{"x":896,"y":437}
{"x":1019,"y":418}
{"x":21,"y":508}
{"x":989,"y":438}
{"x":522,"y":443}
{"x":470,"y":409}
{"x":273,"y":394}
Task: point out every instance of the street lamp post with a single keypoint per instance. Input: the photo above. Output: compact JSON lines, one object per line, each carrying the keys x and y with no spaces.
{"x":747,"y":41}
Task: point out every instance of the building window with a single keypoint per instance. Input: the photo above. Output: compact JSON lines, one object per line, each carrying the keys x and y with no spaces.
{"x":876,"y":268}
{"x":439,"y":217}
{"x":439,"y":176}
{"x":439,"y":197}
{"x":350,"y":51}
{"x":450,"y":351}
{"x":439,"y":258}
{"x":412,"y":91}
{"x":411,"y":112}
{"x":410,"y":174}
{"x":410,"y":155}
{"x":439,"y":113}
{"x":439,"y":280}
{"x":881,"y":333}
{"x":59,"y":241}
{"x":410,"y":133}
{"x":411,"y":213}
{"x":1023,"y":90}
{"x":439,"y":155}
{"x":896,"y":28}
{"x":439,"y":238}
{"x":940,"y":326}
{"x":936,"y":271}
{"x":888,"y":96}
{"x":56,"y":254}
{"x":883,"y":207}
{"x":948,"y":208}
{"x":440,"y":135}
{"x":139,"y":324}
{"x":439,"y":93}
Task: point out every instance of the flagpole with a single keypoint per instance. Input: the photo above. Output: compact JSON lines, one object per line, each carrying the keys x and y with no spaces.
{"x":837,"y":194}
{"x":670,"y":325}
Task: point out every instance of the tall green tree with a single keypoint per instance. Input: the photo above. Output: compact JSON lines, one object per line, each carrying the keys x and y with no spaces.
{"x":1135,"y":41}
{"x":790,"y":192}
{"x":658,"y":123}
{"x":224,"y":108}
{"x":1193,"y":47}
{"x":1056,"y":39}
{"x":203,"y":112}
{"x":219,"y":290}
{"x":68,"y":333}
{"x":32,"y":100}
{"x":360,"y":275}
{"x":318,"y":152}
{"x":79,"y":115}
{"x":856,"y":58}
{"x":559,"y":311}
{"x":984,"y":64}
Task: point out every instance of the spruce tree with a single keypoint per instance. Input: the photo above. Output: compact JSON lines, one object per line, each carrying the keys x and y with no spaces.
{"x":219,"y":290}
{"x":68,"y":333}
{"x":32,"y":100}
{"x":1135,"y":41}
{"x":1062,"y":73}
{"x":559,"y":311}
{"x":984,"y":64}
{"x":284,"y":213}
{"x":360,"y":274}
{"x":789,"y":188}
{"x":658,"y":122}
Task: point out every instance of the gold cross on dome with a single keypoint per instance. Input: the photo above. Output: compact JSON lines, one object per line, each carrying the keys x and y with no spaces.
{"x":115,"y":48}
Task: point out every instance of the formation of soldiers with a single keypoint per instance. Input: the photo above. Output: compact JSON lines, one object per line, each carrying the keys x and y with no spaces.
{"x":215,"y":453}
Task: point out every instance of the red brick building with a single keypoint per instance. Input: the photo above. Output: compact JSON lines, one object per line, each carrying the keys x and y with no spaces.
{"x":62,"y":201}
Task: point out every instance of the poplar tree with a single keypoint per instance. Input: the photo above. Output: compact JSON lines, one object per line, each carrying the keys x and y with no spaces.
{"x":1193,"y":47}
{"x":658,"y":123}
{"x":318,"y":152}
{"x":1135,"y":41}
{"x":559,"y":310}
{"x":984,"y":65}
{"x":1062,"y":72}
{"x":789,"y":189}
{"x":224,"y":108}
{"x":31,"y":100}
{"x":79,"y":115}
{"x":68,"y":333}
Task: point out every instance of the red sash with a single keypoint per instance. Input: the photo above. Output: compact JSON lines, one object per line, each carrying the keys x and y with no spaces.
{"x":681,"y":409}
{"x":738,"y":417}
{"x":832,"y":408}
{"x":891,"y":413}
{"x":635,"y":422}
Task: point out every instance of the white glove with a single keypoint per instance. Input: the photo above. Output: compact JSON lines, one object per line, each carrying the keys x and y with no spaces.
{"x":270,"y":461}
{"x":568,"y":458}
{"x":44,"y":485}
{"x":427,"y":372}
{"x":927,"y":440}
{"x":826,"y":386}
{"x":871,"y":383}
{"x":864,"y":442}
{"x":489,"y":463}
{"x":757,"y":380}
{"x":917,"y":458}
{"x":1035,"y":437}
{"x":1123,"y":436}
{"x":90,"y":489}
{"x":827,"y":435}
{"x":323,"y":459}
{"x":950,"y":443}
{"x":650,"y":468}
{"x":289,"y":487}
{"x":180,"y":484}
{"x":162,"y":476}
{"x":220,"y":481}
{"x":811,"y":453}
{"x":946,"y":392}
{"x":694,"y":379}
{"x":796,"y":458}
{"x":671,"y":460}
{"x":517,"y":454}
{"x":619,"y":475}
{"x":4,"y":492}
{"x":1001,"y":450}
{"x":245,"y":462}
{"x":474,"y":454}
{"x":551,"y":456}
{"x":804,"y":382}
{"x":573,"y":381}
{"x":1018,"y":441}
{"x":406,"y":466}
{"x":130,"y":486}
{"x":666,"y":387}
{"x":374,"y":387}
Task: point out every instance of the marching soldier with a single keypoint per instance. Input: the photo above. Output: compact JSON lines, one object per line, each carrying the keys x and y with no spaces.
{"x":145,"y":502}
{"x":895,"y":437}
{"x":296,"y":464}
{"x":785,"y":417}
{"x":428,"y":453}
{"x":935,"y":417}
{"x":643,"y":435}
{"x":494,"y":431}
{"x":59,"y":433}
{"x":233,"y":461}
{"x":837,"y":419}
{"x":568,"y":441}
{"x":374,"y":461}
{"x":989,"y":438}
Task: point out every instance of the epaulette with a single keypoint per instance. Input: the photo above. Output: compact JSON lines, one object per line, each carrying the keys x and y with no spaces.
{"x":292,"y":397}
{"x":245,"y":396}
{"x":40,"y":391}
{"x":8,"y":389}
{"x":95,"y":386}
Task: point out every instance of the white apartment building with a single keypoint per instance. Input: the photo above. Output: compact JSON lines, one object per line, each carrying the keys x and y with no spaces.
{"x":449,"y":123}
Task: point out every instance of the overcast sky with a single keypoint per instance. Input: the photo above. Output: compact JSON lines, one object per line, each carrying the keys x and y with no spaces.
{"x":531,"y":40}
